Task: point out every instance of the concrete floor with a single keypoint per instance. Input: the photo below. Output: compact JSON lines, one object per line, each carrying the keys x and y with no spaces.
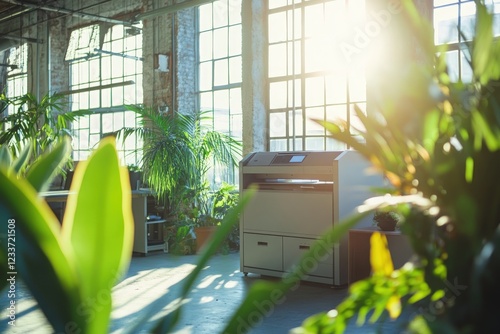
{"x":152,"y":284}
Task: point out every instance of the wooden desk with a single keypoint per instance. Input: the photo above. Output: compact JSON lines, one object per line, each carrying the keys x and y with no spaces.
{"x":359,"y":251}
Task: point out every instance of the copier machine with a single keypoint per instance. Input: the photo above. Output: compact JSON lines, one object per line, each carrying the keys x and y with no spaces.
{"x":300,"y":195}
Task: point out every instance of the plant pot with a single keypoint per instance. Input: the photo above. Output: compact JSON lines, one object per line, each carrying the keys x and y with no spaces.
{"x":387,"y":225}
{"x":203,"y":234}
{"x":135,"y":180}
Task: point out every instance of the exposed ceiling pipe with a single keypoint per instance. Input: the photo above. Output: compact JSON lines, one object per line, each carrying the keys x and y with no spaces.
{"x":68,"y":11}
{"x":22,"y":39}
{"x":7,"y":42}
{"x":13,"y":15}
{"x":170,"y":9}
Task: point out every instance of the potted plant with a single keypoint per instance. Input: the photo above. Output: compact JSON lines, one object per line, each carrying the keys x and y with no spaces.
{"x":386,"y":220}
{"x":38,"y":124}
{"x":135,"y":176}
{"x":224,"y":199}
{"x":197,"y":211}
{"x":178,"y":152}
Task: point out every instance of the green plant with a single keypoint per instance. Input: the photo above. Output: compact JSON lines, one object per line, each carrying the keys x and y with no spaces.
{"x":226,"y":198}
{"x":210,"y":211}
{"x":185,"y":240}
{"x":443,"y":165}
{"x":68,"y":269}
{"x":34,"y":123}
{"x":386,"y":220}
{"x":178,"y":151}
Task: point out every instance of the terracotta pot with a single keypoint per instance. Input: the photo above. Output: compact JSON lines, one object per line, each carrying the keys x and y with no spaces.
{"x":203,"y":234}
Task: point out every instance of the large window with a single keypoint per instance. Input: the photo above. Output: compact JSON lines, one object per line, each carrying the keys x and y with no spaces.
{"x":17,"y":72}
{"x":105,"y":75}
{"x":220,"y":72}
{"x":17,"y":76}
{"x":454,"y":26}
{"x":311,"y":77}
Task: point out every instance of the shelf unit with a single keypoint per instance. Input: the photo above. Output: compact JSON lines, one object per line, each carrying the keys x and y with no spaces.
{"x":143,"y":227}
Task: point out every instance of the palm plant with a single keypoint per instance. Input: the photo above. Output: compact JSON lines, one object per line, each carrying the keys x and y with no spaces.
{"x":178,"y":152}
{"x":35,"y":123}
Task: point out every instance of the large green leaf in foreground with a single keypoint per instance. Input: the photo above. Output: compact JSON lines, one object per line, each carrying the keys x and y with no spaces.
{"x":42,"y":259}
{"x":99,"y":225}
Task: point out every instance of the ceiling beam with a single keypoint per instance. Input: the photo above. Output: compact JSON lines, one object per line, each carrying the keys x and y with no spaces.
{"x":170,"y":9}
{"x":68,"y":11}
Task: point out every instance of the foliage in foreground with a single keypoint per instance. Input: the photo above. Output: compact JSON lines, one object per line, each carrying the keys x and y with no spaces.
{"x":446,"y":152}
{"x":68,"y":269}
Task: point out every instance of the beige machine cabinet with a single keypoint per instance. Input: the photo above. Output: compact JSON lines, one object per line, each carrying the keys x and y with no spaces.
{"x":300,"y":196}
{"x":142,"y":226}
{"x":264,"y":251}
{"x":320,"y":265}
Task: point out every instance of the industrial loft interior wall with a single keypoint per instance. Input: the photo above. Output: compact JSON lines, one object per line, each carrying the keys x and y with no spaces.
{"x":167,"y":55}
{"x":264,"y":68}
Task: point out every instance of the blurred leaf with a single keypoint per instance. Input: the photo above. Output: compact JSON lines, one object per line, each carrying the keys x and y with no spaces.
{"x":483,"y":131}
{"x":380,"y":257}
{"x":43,"y":171}
{"x":42,"y":260}
{"x":483,"y":42}
{"x":5,"y":156}
{"x":419,"y":325}
{"x":23,"y":159}
{"x":98,"y":223}
{"x":167,"y":323}
{"x":437,"y":295}
{"x":394,"y":306}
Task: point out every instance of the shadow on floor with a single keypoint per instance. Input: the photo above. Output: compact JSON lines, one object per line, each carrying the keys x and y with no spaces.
{"x":152,"y":285}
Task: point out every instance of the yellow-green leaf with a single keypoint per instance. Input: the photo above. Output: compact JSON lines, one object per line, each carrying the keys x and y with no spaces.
{"x":42,"y":260}
{"x":380,"y":257}
{"x":99,"y":224}
{"x":394,"y":306}
{"x":43,"y":171}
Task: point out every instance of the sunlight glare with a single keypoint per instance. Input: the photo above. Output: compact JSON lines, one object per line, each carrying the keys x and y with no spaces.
{"x":207,"y":281}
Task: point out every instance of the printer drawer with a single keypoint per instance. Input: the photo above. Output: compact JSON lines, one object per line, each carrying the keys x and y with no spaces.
{"x":263,"y":251}
{"x":320,"y":264}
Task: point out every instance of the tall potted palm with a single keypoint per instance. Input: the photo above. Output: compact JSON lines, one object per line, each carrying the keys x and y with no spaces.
{"x":178,"y":152}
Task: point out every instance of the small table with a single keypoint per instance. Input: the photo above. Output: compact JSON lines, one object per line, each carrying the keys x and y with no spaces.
{"x":359,"y":251}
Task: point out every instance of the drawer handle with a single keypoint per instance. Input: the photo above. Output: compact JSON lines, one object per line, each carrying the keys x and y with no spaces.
{"x":261,"y":243}
{"x":304,"y":247}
